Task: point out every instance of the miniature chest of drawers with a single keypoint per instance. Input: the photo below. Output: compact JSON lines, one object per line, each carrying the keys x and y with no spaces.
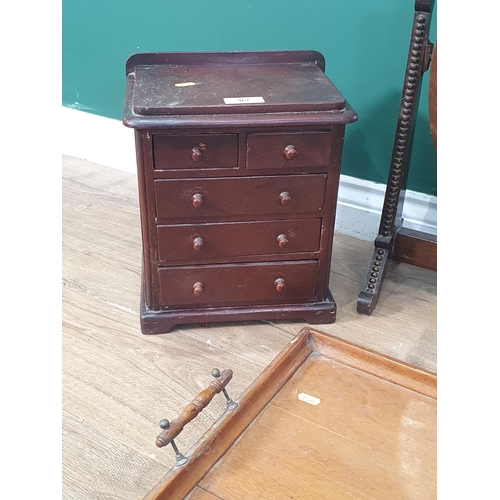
{"x":238,"y":157}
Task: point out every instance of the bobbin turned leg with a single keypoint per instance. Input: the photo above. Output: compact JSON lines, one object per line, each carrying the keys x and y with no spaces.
{"x":419,"y":56}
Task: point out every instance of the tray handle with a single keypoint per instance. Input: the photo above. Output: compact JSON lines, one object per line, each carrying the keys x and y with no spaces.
{"x":170,"y":430}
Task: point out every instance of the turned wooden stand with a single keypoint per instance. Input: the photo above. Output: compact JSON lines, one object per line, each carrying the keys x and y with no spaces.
{"x":393,"y":241}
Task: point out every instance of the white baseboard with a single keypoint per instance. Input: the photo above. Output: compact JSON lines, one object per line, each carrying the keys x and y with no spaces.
{"x":109,"y":143}
{"x":360,"y":204}
{"x":98,"y":139}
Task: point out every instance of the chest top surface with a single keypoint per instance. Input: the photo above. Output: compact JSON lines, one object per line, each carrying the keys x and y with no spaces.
{"x":170,"y":89}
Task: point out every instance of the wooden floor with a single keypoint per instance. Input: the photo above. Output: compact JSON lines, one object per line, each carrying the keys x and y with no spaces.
{"x":118,"y":384}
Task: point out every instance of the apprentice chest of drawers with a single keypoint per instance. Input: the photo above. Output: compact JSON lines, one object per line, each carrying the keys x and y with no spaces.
{"x":238,"y":157}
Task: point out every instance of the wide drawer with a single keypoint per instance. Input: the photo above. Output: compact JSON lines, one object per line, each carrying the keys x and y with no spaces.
{"x":172,"y":152}
{"x":289,"y":150}
{"x":197,"y":199}
{"x":232,"y":284}
{"x":198,"y":242}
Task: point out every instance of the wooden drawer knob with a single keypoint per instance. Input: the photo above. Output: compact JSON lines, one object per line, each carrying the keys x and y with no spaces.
{"x":285,"y":198}
{"x":198,"y":243}
{"x":280,"y":285}
{"x":198,"y":288}
{"x":197,"y":200}
{"x":196,"y":154}
{"x":282,"y":240}
{"x":290,"y":152}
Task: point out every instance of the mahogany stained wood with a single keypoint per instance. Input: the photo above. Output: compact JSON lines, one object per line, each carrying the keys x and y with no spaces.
{"x":227,"y":138}
{"x":195,"y":151}
{"x":244,"y":196}
{"x":370,"y":435}
{"x":240,"y":284}
{"x":203,"y":243}
{"x":416,"y":248}
{"x":287,"y":87}
{"x":311,"y":149}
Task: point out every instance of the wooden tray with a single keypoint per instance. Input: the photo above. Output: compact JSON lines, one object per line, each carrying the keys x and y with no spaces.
{"x":325,"y":420}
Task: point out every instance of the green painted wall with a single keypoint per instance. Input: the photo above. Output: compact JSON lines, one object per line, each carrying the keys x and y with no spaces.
{"x":365,"y":43}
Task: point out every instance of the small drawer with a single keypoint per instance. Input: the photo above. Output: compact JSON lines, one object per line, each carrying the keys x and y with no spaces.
{"x":233,"y":284}
{"x":289,"y":150}
{"x":174,"y":152}
{"x":190,"y":243}
{"x":197,"y":199}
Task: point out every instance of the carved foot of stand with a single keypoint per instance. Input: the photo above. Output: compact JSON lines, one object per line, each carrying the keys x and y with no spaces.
{"x":369,"y":296}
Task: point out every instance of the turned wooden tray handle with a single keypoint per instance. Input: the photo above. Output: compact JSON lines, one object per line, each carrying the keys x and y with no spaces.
{"x":172,"y":429}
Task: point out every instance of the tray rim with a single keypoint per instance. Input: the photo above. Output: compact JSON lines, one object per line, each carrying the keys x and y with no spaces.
{"x":180,"y":481}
